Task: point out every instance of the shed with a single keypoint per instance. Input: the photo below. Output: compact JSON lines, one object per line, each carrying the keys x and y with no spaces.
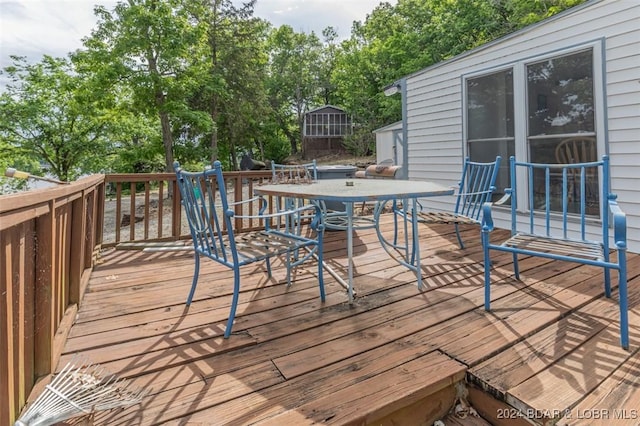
{"x":389,"y":145}
{"x":576,"y":74}
{"x":324,"y":130}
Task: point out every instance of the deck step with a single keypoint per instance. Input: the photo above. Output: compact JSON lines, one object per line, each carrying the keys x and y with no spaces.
{"x":422,"y":390}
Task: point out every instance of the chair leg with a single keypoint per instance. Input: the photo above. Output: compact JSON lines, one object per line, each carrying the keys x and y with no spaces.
{"x":319,"y":254}
{"x":268,"y":267}
{"x":624,"y":304}
{"x":607,"y":275}
{"x":288,"y":269}
{"x":196,"y":273}
{"x":487,"y":271}
{"x":516,"y":267}
{"x":607,"y":282}
{"x":234,"y":301}
{"x":458,"y":235}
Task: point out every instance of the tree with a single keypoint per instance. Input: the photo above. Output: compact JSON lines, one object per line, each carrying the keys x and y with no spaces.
{"x":232,"y":90}
{"x":232,"y":44}
{"x":152,"y":48}
{"x":395,"y":41}
{"x":46,"y":116}
{"x":293,"y":84}
{"x":327,"y":66}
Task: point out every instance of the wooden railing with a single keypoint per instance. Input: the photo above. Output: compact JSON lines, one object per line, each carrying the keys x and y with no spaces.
{"x":48,"y":244}
{"x":49,"y":241}
{"x":141,"y":207}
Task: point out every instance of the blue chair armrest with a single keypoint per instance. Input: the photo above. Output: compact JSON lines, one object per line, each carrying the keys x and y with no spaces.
{"x":281,"y":213}
{"x":487,"y":219}
{"x":619,"y":224}
{"x":247,"y":201}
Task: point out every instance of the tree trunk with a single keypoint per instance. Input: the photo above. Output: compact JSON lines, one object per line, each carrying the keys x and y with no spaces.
{"x":167,"y":140}
{"x":214,"y":132}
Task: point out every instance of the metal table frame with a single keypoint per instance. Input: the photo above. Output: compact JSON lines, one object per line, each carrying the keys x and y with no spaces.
{"x":350,"y":191}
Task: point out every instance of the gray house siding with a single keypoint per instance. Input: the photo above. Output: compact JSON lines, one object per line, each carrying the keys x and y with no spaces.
{"x":435,"y":98}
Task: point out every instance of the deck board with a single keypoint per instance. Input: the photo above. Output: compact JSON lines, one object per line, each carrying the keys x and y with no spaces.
{"x":292,"y":359}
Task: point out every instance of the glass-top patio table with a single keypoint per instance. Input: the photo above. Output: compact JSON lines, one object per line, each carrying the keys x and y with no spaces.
{"x":350,"y":191}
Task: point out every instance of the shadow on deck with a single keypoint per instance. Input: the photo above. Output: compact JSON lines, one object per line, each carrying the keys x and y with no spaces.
{"x":549,"y":348}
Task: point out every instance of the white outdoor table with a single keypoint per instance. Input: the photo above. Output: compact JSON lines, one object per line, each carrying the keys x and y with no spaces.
{"x":350,"y":191}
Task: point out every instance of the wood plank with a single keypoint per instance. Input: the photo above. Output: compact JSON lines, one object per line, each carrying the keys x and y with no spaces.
{"x":194,"y":395}
{"x":319,"y":383}
{"x":372,"y":398}
{"x":510,"y":321}
{"x":529,"y":357}
{"x":427,"y":410}
{"x":412,"y":316}
{"x":292,"y":354}
{"x":45,"y":276}
{"x":8,"y":365}
{"x":559,"y":387}
{"x":615,"y":401}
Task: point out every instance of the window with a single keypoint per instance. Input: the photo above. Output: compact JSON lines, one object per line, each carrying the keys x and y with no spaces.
{"x":490,"y":121}
{"x":559,"y":117}
{"x":327,"y":124}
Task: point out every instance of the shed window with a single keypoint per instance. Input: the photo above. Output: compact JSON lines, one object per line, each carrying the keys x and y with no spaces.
{"x":327,"y":124}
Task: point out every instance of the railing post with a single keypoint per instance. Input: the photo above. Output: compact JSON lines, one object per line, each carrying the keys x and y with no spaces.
{"x":118,"y":210}
{"x":44,"y":309}
{"x":176,"y":214}
{"x":8,"y":394}
{"x":99,"y":201}
{"x":78,"y":231}
{"x":132,"y":211}
{"x":237,"y":196}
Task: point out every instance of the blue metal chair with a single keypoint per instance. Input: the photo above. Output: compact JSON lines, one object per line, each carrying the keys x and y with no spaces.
{"x":562,"y":198}
{"x":211,"y":219}
{"x":294,"y":174}
{"x":475,"y":188}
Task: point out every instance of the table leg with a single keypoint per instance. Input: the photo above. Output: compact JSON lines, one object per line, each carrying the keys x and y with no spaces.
{"x":415,"y":241}
{"x":349,"y":210}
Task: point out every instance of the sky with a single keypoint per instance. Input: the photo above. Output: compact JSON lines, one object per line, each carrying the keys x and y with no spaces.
{"x":32,"y":28}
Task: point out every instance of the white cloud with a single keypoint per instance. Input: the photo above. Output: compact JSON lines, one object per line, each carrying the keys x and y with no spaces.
{"x":316,"y":15}
{"x":33,"y":28}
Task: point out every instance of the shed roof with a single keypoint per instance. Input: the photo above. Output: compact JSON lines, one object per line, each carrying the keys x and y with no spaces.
{"x":327,"y":107}
{"x":392,"y":126}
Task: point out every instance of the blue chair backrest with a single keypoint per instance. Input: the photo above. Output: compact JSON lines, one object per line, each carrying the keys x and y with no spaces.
{"x":476,"y":187}
{"x":560,"y":195}
{"x":294,"y":173}
{"x":206,"y":206}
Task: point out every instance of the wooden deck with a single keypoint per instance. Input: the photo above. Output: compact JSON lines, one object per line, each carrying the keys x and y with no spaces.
{"x":550,"y":347}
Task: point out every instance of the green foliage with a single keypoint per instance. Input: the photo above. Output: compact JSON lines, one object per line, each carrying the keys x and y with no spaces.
{"x":151,"y":48}
{"x":395,"y":41}
{"x":276,"y":150}
{"x":46,"y":118}
{"x":14,"y":157}
{"x":361,"y":143}
{"x":294,"y":76}
{"x":198,"y":80}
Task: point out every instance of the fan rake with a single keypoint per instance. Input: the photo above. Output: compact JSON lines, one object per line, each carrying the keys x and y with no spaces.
{"x":80,"y":388}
